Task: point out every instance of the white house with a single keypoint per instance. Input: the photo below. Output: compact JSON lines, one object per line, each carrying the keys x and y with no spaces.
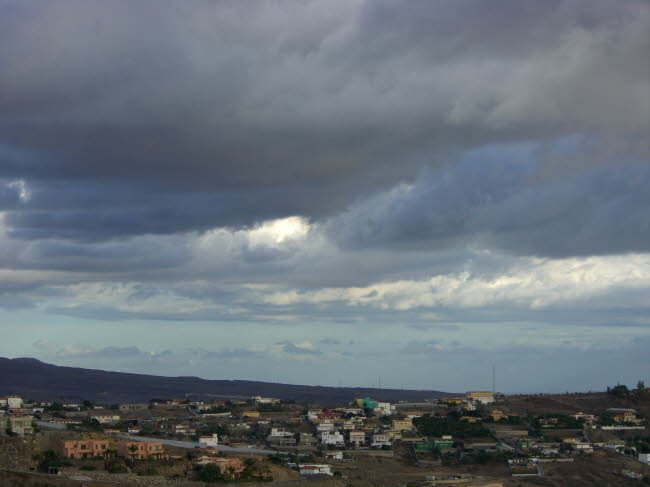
{"x":644,"y":458}
{"x":280,"y":432}
{"x":334,"y":455}
{"x":209,"y":441}
{"x":332,"y":438}
{"x":357,"y":438}
{"x":381,"y":439}
{"x":384,"y":409}
{"x":484,"y":397}
{"x":14,"y":402}
{"x":313,"y":414}
{"x":326,"y":425}
{"x":106,"y":418}
{"x":583,"y":446}
{"x":265,"y":400}
{"x":315,"y":469}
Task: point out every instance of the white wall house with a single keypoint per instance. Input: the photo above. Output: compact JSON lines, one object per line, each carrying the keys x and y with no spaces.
{"x":265,"y":400}
{"x":357,"y":438}
{"x":332,"y":438}
{"x":384,"y":409}
{"x":324,"y":426}
{"x":14,"y":402}
{"x":209,"y":441}
{"x":313,"y":414}
{"x":334,"y":455}
{"x":381,"y":439}
{"x":106,"y":419}
{"x":280,"y":432}
{"x":315,"y":469}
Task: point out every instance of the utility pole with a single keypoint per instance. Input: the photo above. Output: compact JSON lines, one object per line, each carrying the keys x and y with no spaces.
{"x":494,"y":381}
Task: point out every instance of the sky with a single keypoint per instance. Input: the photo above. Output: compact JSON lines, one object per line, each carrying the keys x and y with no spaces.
{"x":340,"y":192}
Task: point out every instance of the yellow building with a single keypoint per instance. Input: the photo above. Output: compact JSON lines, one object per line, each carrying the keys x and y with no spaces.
{"x":402,"y":424}
{"x":484,"y":397}
{"x":251,"y":414}
{"x":454,"y":400}
{"x":470,"y":419}
{"x":497,"y":415}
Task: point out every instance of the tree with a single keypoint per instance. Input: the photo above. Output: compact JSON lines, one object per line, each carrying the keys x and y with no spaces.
{"x":47,"y":460}
{"x":132,"y":448}
{"x":620,"y":390}
{"x":92,"y":424}
{"x":640,"y":385}
{"x":55,"y":406}
{"x":210,"y":473}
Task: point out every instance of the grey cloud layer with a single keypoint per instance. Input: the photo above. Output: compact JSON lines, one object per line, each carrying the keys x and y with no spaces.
{"x":155,"y":118}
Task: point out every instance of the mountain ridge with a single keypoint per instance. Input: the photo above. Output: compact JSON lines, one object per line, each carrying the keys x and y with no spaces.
{"x":34,"y":379}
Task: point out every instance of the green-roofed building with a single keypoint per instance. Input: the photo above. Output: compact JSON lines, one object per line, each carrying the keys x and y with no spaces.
{"x":439,"y":444}
{"x":369,"y":403}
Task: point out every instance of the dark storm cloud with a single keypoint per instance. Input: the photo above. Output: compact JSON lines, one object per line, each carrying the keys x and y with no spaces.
{"x":156,"y":118}
{"x":9,"y":195}
{"x":497,"y":200}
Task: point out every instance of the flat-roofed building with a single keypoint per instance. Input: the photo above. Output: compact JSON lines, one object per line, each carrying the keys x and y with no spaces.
{"x":403,"y":424}
{"x":484,"y":397}
{"x":141,"y":450}
{"x":125,"y":408}
{"x":85,"y":448}
{"x":357,"y":438}
{"x":21,"y":425}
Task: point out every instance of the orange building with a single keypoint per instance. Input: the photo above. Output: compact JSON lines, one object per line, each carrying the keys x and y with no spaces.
{"x":231,"y":466}
{"x":141,"y":450}
{"x":85,"y":448}
{"x":498,"y":415}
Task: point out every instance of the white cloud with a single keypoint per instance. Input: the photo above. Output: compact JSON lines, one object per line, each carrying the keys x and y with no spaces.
{"x":529,"y":283}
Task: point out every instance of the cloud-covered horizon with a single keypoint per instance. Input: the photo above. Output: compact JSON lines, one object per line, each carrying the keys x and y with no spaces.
{"x":444,"y":170}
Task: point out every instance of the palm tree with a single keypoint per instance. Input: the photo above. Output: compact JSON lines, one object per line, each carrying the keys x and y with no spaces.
{"x":133,"y":449}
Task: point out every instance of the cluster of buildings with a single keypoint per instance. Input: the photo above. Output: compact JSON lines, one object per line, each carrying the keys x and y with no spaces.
{"x":15,"y":417}
{"x":136,"y":450}
{"x":363,"y":424}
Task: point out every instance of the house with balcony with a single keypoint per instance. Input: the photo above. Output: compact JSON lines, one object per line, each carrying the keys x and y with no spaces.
{"x":231,"y":466}
{"x":380,"y":440}
{"x":141,"y":450}
{"x":357,"y":438}
{"x":76,"y":449}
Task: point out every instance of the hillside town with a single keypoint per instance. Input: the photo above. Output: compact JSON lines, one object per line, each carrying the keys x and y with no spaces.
{"x":480,"y":438}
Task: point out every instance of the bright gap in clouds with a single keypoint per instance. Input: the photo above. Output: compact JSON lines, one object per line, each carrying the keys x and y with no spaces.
{"x":278,"y":231}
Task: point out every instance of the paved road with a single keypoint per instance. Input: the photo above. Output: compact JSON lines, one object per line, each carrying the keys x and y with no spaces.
{"x":195,"y":444}
{"x":50,"y":426}
{"x":181,"y":444}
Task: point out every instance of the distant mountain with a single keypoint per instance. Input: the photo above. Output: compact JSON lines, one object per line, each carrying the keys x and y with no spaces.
{"x":33,"y":379}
